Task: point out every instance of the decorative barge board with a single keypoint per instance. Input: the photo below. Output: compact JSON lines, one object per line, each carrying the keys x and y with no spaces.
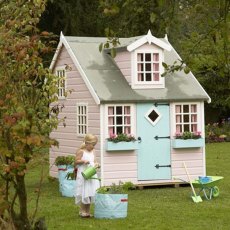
{"x":128,"y":95}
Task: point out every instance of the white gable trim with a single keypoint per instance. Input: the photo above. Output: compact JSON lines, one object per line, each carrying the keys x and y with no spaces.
{"x":76,"y":63}
{"x":52,"y":64}
{"x":150,"y":39}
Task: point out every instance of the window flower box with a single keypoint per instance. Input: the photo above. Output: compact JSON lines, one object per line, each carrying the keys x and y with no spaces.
{"x":188,"y":143}
{"x":121,"y":142}
{"x":121,"y":146}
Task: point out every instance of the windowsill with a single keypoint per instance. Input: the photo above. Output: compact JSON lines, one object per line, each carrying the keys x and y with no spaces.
{"x":148,"y":86}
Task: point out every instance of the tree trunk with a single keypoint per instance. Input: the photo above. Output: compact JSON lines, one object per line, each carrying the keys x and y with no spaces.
{"x":21,"y":220}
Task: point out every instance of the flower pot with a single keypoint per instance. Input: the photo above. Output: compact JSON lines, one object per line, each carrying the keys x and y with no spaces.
{"x":121,"y":146}
{"x":188,"y":143}
{"x":63,"y":170}
{"x":111,"y":206}
{"x":68,"y":188}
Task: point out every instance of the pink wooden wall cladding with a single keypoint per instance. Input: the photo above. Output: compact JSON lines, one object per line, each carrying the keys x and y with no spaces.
{"x":67,"y":136}
{"x":123,"y":60}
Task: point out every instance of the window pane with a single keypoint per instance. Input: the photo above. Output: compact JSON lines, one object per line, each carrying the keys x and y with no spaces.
{"x":186,"y":108}
{"x":119,"y":110}
{"x":178,"y":128}
{"x":186,"y":118}
{"x":119,"y":120}
{"x":155,"y":67}
{"x":119,"y":129}
{"x":155,"y":57}
{"x":127,"y":109}
{"x":140,"y":67}
{"x":194,"y":118}
{"x":148,"y":67}
{"x":111,"y":120}
{"x":127,"y":120}
{"x":193,"y":109}
{"x":127,"y":130}
{"x":194,"y":128}
{"x":148,"y":57}
{"x":156,"y":77}
{"x":111,"y":130}
{"x":111,"y":110}
{"x":186,"y":128}
{"x":140,"y":77}
{"x":139,"y":57}
{"x":153,"y":116}
{"x":148,"y":77}
{"x":178,"y":118}
{"x":178,"y":109}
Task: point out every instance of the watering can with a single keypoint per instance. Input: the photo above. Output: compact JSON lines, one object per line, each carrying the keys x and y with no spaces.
{"x":89,"y":172}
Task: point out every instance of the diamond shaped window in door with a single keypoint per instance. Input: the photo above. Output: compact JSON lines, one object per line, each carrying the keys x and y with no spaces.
{"x":153,"y":116}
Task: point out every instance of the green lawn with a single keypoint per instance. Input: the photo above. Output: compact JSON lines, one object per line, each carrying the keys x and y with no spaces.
{"x":154,"y":208}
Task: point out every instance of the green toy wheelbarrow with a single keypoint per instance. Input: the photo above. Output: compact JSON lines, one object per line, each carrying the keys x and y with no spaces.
{"x":207,"y":186}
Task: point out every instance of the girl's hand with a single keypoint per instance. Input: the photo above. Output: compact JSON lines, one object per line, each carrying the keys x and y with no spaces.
{"x":85,"y":162}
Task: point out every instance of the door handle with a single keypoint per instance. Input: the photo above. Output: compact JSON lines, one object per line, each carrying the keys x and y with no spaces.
{"x":139,"y":139}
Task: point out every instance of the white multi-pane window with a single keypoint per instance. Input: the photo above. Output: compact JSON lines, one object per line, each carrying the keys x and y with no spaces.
{"x":148,"y":67}
{"x":61,"y":82}
{"x":82,"y":119}
{"x":186,"y":118}
{"x":119,"y":119}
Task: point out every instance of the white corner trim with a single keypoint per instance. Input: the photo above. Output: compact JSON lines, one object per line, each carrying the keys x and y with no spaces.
{"x":150,"y":39}
{"x":102,"y":141}
{"x":77,"y":64}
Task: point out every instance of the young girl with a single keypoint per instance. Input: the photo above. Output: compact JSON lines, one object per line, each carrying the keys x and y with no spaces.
{"x":85,"y":189}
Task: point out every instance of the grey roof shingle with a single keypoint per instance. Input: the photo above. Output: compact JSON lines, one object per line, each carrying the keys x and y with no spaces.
{"x":111,"y":86}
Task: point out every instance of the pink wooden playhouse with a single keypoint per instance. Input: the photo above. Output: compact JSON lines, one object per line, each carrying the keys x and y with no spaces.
{"x":128,"y":95}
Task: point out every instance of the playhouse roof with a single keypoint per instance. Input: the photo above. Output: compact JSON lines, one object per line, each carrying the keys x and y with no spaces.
{"x":107,"y":82}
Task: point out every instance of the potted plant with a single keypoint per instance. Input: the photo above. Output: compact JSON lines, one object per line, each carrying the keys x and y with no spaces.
{"x":65,"y":166}
{"x":122,"y":142}
{"x":112,"y":202}
{"x":188,"y":140}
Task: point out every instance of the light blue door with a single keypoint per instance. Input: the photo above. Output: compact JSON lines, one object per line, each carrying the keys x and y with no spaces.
{"x":154,"y":161}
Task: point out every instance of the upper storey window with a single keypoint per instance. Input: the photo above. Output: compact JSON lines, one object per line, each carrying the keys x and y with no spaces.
{"x":61,"y":73}
{"x":148,"y":70}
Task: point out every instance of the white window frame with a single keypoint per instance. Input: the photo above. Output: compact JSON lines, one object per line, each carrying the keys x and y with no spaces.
{"x":82,"y":119}
{"x":132,"y":118}
{"x":190,"y":122}
{"x":61,"y":89}
{"x":134,"y":69}
{"x":157,"y":112}
{"x":144,"y":71}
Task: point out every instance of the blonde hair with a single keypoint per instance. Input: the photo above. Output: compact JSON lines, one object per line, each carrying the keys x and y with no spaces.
{"x":89,"y":139}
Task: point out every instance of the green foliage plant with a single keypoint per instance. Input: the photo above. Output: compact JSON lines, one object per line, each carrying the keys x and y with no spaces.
{"x":121,"y":137}
{"x":64,"y":160}
{"x":119,"y":188}
{"x":188,"y":135}
{"x":27,"y":88}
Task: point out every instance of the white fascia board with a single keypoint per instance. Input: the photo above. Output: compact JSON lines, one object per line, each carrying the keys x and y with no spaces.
{"x":52,"y":64}
{"x":150,"y":39}
{"x":78,"y":66}
{"x":178,"y":56}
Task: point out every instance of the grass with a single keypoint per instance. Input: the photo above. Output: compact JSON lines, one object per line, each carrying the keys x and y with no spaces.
{"x":153,"y":208}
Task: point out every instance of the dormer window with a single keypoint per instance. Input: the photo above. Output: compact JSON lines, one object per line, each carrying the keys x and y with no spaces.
{"x":148,"y":70}
{"x":147,"y":67}
{"x":147,"y":55}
